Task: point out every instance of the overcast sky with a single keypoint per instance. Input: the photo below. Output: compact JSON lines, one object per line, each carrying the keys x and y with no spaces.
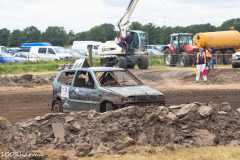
{"x":81,"y":15}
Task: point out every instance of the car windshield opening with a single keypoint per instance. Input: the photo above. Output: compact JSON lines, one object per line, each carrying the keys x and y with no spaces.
{"x":117,"y":79}
{"x":60,"y":50}
{"x":7,"y":56}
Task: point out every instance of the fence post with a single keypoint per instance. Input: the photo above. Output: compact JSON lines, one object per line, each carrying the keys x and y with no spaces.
{"x":90,"y":56}
{"x":150,"y":61}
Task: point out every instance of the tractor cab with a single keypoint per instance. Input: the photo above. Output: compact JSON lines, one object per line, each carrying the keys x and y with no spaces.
{"x":179,"y":40}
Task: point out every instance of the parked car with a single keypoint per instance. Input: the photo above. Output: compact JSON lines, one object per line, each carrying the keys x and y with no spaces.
{"x":7,"y":58}
{"x":13,"y":51}
{"x":51,"y":52}
{"x":154,"y":52}
{"x":25,"y":56}
{"x":102,"y":89}
{"x":77,"y":54}
{"x":160,"y":48}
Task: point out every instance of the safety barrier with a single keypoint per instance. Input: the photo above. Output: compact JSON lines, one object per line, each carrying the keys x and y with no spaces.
{"x":183,"y":61}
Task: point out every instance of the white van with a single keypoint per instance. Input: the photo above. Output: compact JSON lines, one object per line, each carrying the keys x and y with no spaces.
{"x":51,"y":52}
{"x":86,"y":45}
{"x":3,"y":49}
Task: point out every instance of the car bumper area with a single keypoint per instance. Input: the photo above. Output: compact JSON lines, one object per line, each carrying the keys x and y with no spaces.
{"x":141,"y":104}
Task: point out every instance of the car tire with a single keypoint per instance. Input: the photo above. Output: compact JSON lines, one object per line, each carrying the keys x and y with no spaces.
{"x":234,"y":66}
{"x":121,"y":62}
{"x":57,"y":107}
{"x":144,"y":63}
{"x":227,"y":57}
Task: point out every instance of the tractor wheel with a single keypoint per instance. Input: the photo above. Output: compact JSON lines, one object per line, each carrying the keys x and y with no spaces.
{"x":218,"y":57}
{"x":105,"y":64}
{"x":227,"y":57}
{"x":144,"y":63}
{"x":121,"y":62}
{"x":184,"y":59}
{"x":57,"y":106}
{"x":234,"y":66}
{"x":169,"y":58}
{"x":131,"y":66}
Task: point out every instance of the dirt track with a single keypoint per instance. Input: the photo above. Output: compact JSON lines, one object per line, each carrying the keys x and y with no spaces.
{"x":20,"y":104}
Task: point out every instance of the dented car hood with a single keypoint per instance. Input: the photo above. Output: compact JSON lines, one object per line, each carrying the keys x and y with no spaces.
{"x":134,"y":90}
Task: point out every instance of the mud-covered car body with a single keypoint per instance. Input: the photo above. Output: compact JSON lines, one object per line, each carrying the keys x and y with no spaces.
{"x":77,"y":94}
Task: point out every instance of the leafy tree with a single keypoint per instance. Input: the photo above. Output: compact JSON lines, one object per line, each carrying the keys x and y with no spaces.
{"x":14,"y":39}
{"x":152,"y":32}
{"x":31,"y":34}
{"x":165,"y":35}
{"x":55,"y":35}
{"x":110,"y":30}
{"x":97,"y":33}
{"x":229,"y":23}
{"x":82,"y":36}
{"x":135,"y":26}
{"x":71,"y":37}
{"x":4,"y":34}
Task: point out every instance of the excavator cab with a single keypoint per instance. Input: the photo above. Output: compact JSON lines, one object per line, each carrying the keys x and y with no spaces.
{"x":140,"y":41}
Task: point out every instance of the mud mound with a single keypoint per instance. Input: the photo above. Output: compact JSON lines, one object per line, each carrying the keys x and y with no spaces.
{"x":89,"y":133}
{"x":218,"y":76}
{"x":26,"y":80}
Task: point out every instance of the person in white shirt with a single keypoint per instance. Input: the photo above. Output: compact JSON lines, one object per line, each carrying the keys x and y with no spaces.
{"x":118,"y":40}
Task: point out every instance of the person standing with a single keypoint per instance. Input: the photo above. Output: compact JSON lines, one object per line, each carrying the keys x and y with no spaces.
{"x":209,"y":57}
{"x":122,"y":40}
{"x":129,"y":42}
{"x":200,"y":63}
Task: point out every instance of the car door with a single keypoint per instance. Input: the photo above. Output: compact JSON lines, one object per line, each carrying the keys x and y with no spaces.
{"x":42,"y":52}
{"x":23,"y":57}
{"x":17,"y":56}
{"x":83,"y":93}
{"x":1,"y":59}
{"x":51,"y":54}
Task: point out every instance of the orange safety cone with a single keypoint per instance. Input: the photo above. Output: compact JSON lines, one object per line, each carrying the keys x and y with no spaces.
{"x":204,"y":73}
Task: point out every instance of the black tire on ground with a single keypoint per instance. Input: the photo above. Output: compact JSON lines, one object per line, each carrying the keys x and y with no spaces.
{"x":109,"y":106}
{"x":185,"y":60}
{"x":218,"y":57}
{"x":105,"y":64}
{"x":131,"y":66}
{"x":144,"y":63}
{"x":169,"y":58}
{"x":227,"y":57}
{"x":57,"y":106}
{"x":121,"y":62}
{"x":233,"y":66}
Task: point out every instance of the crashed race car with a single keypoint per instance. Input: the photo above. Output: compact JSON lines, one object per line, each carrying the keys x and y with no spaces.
{"x":236,"y":60}
{"x":102,"y":89}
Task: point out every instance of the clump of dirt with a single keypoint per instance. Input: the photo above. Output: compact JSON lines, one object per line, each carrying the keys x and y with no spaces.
{"x":217,"y":76}
{"x":88,"y":133}
{"x":26,"y":80}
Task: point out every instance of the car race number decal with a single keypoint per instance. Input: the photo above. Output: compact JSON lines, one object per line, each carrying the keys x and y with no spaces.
{"x":65,"y":92}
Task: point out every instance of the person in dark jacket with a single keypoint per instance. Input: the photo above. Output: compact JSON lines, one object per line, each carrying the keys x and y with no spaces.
{"x":200,"y":62}
{"x":129,"y":42}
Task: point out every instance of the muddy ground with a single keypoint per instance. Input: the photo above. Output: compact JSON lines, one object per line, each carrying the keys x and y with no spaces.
{"x":18,"y":104}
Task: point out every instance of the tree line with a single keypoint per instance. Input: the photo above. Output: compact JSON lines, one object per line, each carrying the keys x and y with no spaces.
{"x":58,"y":36}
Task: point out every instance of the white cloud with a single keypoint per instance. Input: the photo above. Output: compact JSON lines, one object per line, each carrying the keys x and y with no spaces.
{"x":81,"y":15}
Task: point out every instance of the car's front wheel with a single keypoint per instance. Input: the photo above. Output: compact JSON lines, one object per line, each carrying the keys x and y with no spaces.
{"x":57,"y":107}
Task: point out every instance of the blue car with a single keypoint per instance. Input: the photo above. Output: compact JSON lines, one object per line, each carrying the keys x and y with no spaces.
{"x":7,"y":58}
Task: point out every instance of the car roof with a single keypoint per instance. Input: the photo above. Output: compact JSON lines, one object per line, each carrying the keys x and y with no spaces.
{"x":98,"y":69}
